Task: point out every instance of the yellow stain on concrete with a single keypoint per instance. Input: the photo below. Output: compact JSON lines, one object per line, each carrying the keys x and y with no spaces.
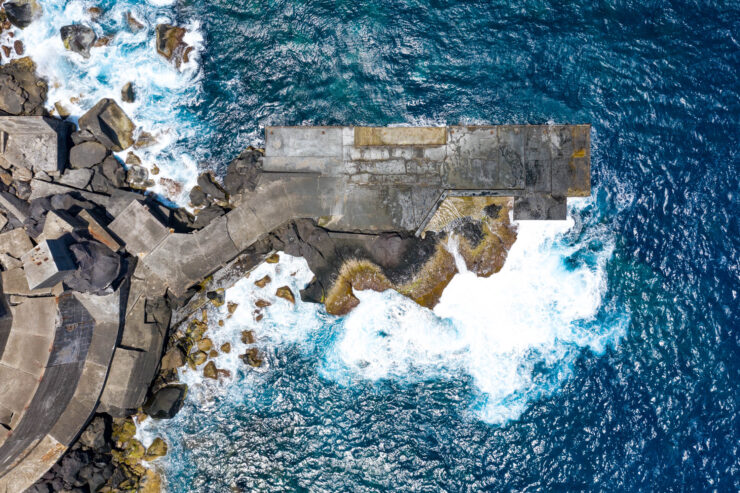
{"x":400,"y":136}
{"x":580,"y":153}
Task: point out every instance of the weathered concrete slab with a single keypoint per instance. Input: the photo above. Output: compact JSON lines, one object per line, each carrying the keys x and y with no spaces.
{"x":34,"y":142}
{"x":400,"y":136}
{"x":15,"y":242}
{"x":16,"y":283}
{"x":47,"y":264}
{"x":97,"y":230}
{"x":139,"y":229}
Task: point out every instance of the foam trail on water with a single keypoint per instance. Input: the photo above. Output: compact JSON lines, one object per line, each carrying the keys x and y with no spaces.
{"x":162,"y":91}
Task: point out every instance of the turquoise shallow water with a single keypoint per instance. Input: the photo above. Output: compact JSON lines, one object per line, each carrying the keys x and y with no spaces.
{"x":617,"y":367}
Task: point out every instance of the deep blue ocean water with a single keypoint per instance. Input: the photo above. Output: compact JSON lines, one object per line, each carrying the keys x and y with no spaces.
{"x":655,"y":408}
{"x":658,"y":81}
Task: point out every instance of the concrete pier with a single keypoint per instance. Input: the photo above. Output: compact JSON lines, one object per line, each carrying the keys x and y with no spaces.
{"x":65,"y":354}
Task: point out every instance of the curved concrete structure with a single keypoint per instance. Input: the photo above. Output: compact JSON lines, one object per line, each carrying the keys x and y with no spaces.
{"x":64,"y":355}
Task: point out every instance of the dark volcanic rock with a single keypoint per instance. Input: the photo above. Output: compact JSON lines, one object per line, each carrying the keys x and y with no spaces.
{"x":113,"y":171}
{"x":87,"y":155}
{"x":207,"y":215}
{"x":166,"y":402}
{"x":78,"y":38}
{"x":109,"y":124}
{"x":198,"y":197}
{"x":21,"y":13}
{"x":21,"y":91}
{"x":208,"y":185}
{"x":243,"y":172}
{"x":97,"y":267}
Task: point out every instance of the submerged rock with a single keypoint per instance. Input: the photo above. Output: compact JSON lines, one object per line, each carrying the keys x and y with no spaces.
{"x":166,"y":402}
{"x":21,"y":13}
{"x":78,"y":38}
{"x":252,"y":358}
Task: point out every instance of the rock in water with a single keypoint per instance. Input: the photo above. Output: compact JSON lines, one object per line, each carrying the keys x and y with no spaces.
{"x":170,"y":43}
{"x":87,"y":155}
{"x":261,"y":283}
{"x":127,"y":93}
{"x":157,"y":449}
{"x":21,"y":13}
{"x":210,"y":371}
{"x":166,"y":402}
{"x":21,"y":91}
{"x":78,"y":38}
{"x":285,"y":293}
{"x":109,"y":124}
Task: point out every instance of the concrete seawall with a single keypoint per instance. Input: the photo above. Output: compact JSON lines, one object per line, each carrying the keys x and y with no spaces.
{"x":64,"y":354}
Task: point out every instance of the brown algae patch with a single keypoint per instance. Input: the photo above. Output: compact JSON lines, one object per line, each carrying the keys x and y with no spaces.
{"x":485,"y":255}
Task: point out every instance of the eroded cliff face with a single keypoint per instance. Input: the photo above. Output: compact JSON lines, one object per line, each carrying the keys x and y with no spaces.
{"x":479,"y":228}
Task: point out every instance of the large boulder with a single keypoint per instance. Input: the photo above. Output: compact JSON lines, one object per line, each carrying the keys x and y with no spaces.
{"x":87,"y":155}
{"x":209,"y":186}
{"x":21,"y":91}
{"x":170,"y":43}
{"x":113,"y":171}
{"x":78,"y":38}
{"x":109,"y":124}
{"x":97,"y":267}
{"x":243,"y":172}
{"x":21,"y":13}
{"x":166,"y":402}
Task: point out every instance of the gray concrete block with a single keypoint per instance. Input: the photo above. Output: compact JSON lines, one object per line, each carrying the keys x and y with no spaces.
{"x":15,"y":206}
{"x":36,"y":316}
{"x":16,"y":283}
{"x":140,"y":231}
{"x":15,"y":242}
{"x":47,"y":264}
{"x":27,"y":352}
{"x":57,"y":224}
{"x":16,"y":388}
{"x":34,"y":142}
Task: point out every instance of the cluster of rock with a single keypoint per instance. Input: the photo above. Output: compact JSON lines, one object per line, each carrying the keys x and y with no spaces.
{"x":106,"y":458}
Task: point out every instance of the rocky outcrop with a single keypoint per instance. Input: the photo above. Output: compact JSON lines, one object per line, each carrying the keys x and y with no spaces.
{"x":21,"y":91}
{"x":166,"y":402}
{"x":78,"y":38}
{"x":21,"y":13}
{"x":109,"y":125}
{"x":243,"y":172}
{"x":170,"y":44}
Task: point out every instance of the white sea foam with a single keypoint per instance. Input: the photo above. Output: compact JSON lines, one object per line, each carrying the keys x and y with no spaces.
{"x":162,"y":91}
{"x":535,"y":311}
